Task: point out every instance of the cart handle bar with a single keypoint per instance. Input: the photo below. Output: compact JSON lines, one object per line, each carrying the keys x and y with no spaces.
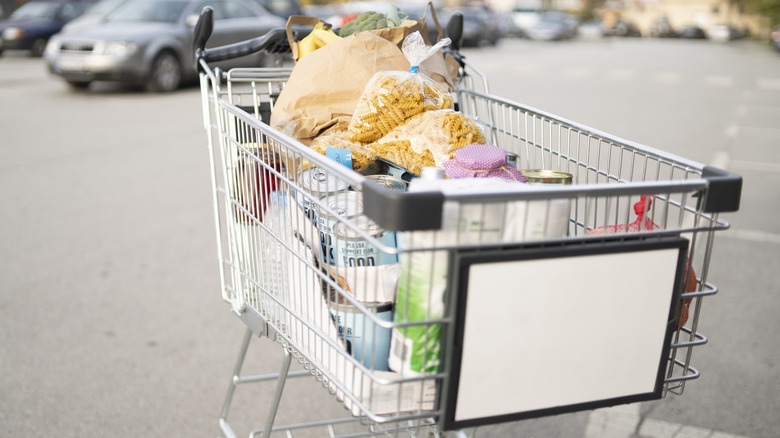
{"x":275,"y":41}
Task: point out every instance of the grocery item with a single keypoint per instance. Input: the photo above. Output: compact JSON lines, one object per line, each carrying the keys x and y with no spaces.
{"x":387,"y":181}
{"x":373,"y":20}
{"x":315,"y":183}
{"x":340,"y":206}
{"x":320,"y":36}
{"x":254,"y":181}
{"x":364,"y":339}
{"x":482,"y":161}
{"x":363,"y":156}
{"x":354,"y":250}
{"x":432,"y":135}
{"x":392,"y":97}
{"x":640,"y":224}
{"x":400,"y":152}
{"x":543,"y":176}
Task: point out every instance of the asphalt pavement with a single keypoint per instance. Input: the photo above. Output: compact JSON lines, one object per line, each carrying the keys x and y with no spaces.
{"x":111,"y":322}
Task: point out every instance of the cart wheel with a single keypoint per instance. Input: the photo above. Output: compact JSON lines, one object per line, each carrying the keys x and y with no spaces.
{"x":165,"y":74}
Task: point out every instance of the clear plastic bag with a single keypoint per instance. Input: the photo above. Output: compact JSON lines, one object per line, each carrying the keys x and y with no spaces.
{"x":392,"y":97}
{"x":436,"y":134}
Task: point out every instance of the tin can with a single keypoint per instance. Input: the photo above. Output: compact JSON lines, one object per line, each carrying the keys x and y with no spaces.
{"x":352,"y":250}
{"x":315,"y":183}
{"x":388,"y":181}
{"x":541,"y":176}
{"x":511,"y":159}
{"x":344,"y":205}
{"x":364,"y":339}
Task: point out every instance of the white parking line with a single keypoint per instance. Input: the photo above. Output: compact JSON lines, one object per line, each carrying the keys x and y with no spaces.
{"x":768,"y":84}
{"x":668,"y":77}
{"x":719,"y":81}
{"x":626,"y":422}
{"x":621,"y":74}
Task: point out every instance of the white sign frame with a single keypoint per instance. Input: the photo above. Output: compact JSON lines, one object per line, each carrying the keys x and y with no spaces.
{"x":544,"y":331}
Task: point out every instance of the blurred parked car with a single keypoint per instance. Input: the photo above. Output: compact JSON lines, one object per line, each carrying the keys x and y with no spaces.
{"x":591,"y":29}
{"x":524,"y":19}
{"x":481,"y":25}
{"x":662,"y":28}
{"x":282,"y":8}
{"x":623,"y":28}
{"x":92,"y":15}
{"x":31,"y":25}
{"x":150,"y":42}
{"x":553,"y":26}
{"x":774,"y":38}
{"x":693,"y":32}
{"x":723,"y":32}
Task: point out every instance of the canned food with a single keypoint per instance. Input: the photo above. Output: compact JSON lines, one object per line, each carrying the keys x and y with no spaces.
{"x":542,"y":176}
{"x":353,"y":250}
{"x":344,"y":205}
{"x":511,"y":159}
{"x":388,"y":181}
{"x":315,"y":183}
{"x":364,"y":339}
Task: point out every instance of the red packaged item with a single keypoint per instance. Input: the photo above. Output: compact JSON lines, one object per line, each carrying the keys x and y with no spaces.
{"x":646,"y":224}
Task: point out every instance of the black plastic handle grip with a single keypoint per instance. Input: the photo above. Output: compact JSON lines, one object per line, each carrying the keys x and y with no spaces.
{"x":275,"y":41}
{"x":454,"y":31}
{"x":724,"y":192}
{"x":203,"y":29}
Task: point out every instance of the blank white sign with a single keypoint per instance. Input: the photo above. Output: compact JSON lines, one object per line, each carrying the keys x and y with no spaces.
{"x":536,"y":338}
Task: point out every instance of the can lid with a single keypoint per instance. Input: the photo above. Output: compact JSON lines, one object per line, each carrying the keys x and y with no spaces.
{"x":347,"y":204}
{"x":361,"y":222}
{"x":389,"y":182}
{"x":315,"y":179}
{"x":547,"y":176}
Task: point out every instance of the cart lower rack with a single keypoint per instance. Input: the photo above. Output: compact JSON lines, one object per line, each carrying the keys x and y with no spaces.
{"x":451,"y":306}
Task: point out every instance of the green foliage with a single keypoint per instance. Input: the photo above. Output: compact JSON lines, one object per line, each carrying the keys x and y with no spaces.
{"x":767,"y":8}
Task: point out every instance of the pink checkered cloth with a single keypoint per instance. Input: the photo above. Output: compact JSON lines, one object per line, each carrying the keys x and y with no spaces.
{"x":481,"y":161}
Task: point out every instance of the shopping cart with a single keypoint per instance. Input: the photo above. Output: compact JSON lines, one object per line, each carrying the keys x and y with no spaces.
{"x":443,"y":308}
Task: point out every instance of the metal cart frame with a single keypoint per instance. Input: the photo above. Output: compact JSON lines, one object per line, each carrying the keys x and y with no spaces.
{"x":267,"y":246}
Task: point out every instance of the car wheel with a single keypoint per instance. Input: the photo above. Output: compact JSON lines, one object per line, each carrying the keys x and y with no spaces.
{"x":165,"y":74}
{"x":38,"y":47}
{"x":79,"y":85}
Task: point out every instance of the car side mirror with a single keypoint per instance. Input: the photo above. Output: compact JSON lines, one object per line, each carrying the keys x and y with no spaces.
{"x":192,"y":20}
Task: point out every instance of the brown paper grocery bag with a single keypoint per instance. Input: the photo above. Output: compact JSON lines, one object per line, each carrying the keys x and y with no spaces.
{"x":325,"y":85}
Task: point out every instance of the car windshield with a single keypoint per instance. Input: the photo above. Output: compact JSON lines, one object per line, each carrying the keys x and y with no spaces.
{"x":148,"y":10}
{"x":35,"y":10}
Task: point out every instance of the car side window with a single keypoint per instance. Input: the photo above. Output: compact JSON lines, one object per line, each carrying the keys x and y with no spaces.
{"x":233,"y":9}
{"x":70,"y":11}
{"x":219,"y":13}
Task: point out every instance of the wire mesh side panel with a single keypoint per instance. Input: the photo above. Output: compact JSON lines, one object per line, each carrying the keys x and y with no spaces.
{"x":660,"y":196}
{"x":296,"y":252}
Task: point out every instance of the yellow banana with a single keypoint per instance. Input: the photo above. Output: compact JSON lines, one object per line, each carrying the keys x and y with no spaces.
{"x":325,"y":37}
{"x":306,"y":46}
{"x":319,"y":37}
{"x":309,"y":44}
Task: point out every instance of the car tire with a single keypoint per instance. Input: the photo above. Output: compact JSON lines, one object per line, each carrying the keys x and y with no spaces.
{"x":79,"y":85}
{"x":38,"y":47}
{"x":165,"y":74}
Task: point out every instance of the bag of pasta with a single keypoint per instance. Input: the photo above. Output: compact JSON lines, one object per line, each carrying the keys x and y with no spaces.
{"x":392,"y":97}
{"x":428,"y":139}
{"x":362,"y":156}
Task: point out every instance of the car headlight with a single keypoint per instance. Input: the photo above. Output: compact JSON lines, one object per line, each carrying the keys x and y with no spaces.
{"x":119,"y":48}
{"x":52,"y":47}
{"x":13,"y":33}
